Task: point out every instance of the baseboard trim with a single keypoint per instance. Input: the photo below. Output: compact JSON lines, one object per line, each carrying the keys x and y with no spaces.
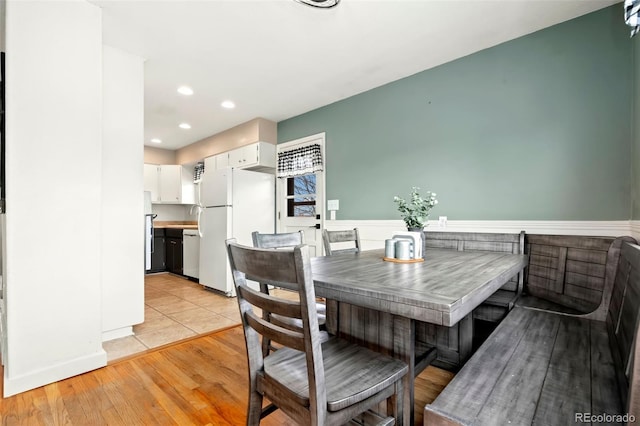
{"x":374,"y":232}
{"x":15,"y":385}
{"x":117,"y":333}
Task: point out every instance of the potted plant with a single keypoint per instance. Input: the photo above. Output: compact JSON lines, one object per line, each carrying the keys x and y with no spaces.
{"x":415,"y":213}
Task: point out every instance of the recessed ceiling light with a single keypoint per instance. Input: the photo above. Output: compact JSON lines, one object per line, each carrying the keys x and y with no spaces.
{"x":320,"y":3}
{"x":228,"y":104}
{"x":185,"y":126}
{"x":156,"y":140}
{"x":185,"y":90}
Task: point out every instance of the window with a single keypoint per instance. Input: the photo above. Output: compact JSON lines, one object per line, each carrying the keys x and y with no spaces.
{"x":301,"y":196}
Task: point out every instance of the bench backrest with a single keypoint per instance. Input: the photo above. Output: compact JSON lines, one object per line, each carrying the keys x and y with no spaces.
{"x":573,"y":271}
{"x":481,"y":241}
{"x":622,"y":325}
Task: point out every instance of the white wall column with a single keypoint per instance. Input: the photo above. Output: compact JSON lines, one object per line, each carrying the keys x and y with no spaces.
{"x":122,"y":193}
{"x":54,"y":191}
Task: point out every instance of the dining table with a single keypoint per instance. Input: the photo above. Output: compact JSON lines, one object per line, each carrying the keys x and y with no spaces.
{"x":377,"y":303}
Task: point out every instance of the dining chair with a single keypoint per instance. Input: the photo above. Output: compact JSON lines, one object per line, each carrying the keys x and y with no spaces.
{"x":330,"y":237}
{"x":280,"y":241}
{"x":313,"y":382}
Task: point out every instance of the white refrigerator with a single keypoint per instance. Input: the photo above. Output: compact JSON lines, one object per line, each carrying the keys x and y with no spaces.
{"x":234,"y":203}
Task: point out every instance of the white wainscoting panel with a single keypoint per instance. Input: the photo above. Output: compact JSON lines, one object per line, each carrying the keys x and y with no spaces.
{"x":374,"y":232}
{"x":635,"y":229}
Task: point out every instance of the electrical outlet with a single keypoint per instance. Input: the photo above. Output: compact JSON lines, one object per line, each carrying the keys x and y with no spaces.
{"x":333,"y":205}
{"x":442,"y":221}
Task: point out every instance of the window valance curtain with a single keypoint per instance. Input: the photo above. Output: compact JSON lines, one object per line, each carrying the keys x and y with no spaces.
{"x":197,"y":172}
{"x":300,"y":161}
{"x":631,"y":11}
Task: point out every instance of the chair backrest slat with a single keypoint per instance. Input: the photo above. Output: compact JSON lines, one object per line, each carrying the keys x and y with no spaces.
{"x":288,"y":308}
{"x":268,"y":266}
{"x":287,"y":239}
{"x":284,"y":336}
{"x":350,"y":235}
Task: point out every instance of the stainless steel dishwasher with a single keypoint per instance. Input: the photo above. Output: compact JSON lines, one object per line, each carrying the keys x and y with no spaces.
{"x":190,"y":253}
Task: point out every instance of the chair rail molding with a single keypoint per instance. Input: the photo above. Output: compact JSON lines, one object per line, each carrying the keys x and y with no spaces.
{"x":374,"y":232}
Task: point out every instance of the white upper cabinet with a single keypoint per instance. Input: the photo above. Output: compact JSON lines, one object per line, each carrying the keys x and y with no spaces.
{"x":151,"y":182}
{"x":222,"y":161}
{"x":257,"y":156}
{"x":169,"y":184}
{"x":242,"y":156}
{"x":217,"y":162}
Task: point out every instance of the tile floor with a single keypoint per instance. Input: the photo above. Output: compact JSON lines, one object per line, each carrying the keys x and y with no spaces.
{"x":175,"y":309}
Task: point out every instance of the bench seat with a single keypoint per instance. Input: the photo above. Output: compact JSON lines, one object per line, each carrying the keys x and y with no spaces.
{"x":533,"y":302}
{"x":536,"y":368}
{"x":548,"y":368}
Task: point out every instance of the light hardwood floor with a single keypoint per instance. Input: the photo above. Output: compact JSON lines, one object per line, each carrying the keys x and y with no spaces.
{"x":201,"y":380}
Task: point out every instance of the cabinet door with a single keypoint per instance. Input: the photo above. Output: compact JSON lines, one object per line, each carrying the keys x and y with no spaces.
{"x":222,"y":161}
{"x":245,"y":156}
{"x":250,"y":155}
{"x":151,"y":182}
{"x":210,"y":163}
{"x":170,"y":183}
{"x":158,"y":255}
{"x":179,"y":260}
{"x":187,"y":188}
{"x":174,"y":255}
{"x":267,"y":155}
{"x":236,"y":157}
{"x":217,"y":162}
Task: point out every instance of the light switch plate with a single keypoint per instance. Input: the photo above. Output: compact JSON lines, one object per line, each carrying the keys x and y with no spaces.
{"x":333,"y":205}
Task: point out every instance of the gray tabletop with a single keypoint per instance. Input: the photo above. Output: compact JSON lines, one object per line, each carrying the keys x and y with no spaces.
{"x":441,"y":290}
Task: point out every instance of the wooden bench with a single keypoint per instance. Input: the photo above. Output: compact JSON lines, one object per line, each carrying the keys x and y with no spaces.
{"x":455,"y":344}
{"x":548,"y":368}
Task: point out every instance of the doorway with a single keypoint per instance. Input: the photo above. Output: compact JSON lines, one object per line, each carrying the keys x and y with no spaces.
{"x":300,"y":197}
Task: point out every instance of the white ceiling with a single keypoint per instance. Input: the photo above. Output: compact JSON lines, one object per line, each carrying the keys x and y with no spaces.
{"x":278,"y":58}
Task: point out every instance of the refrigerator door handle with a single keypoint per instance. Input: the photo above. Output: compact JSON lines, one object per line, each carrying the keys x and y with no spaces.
{"x":199,"y":218}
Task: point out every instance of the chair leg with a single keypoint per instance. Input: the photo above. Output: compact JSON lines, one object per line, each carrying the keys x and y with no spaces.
{"x":394,"y":403}
{"x":254,"y":413}
{"x":400,"y":401}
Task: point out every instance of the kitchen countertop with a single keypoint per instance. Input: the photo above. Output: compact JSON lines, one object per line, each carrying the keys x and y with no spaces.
{"x":173,"y":224}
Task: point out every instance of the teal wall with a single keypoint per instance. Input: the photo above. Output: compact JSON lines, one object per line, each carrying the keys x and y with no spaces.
{"x":538,"y":128}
